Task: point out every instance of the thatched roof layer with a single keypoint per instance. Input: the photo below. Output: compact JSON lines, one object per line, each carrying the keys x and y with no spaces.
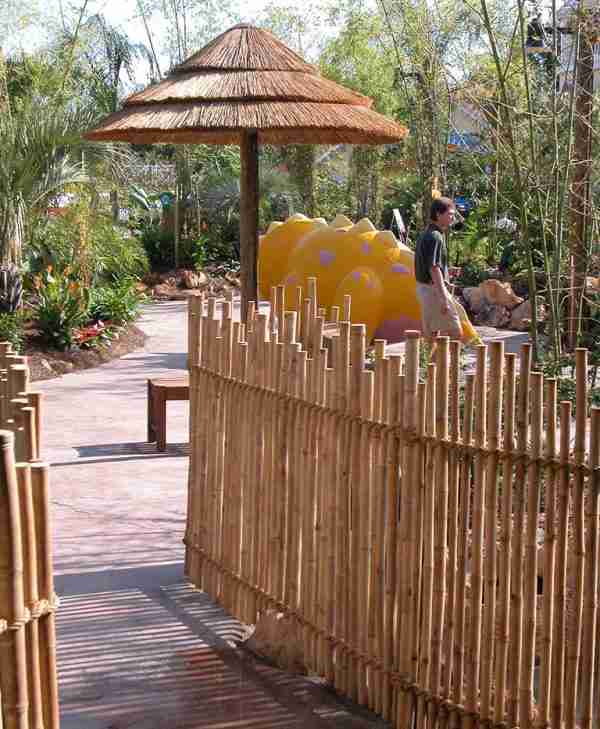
{"x":247,"y":80}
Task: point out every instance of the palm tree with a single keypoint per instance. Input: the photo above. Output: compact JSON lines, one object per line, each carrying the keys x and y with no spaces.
{"x":40,"y":154}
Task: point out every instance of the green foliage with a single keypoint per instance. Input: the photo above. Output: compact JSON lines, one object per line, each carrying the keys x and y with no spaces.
{"x":62,"y":305}
{"x":471,"y":274}
{"x":118,"y":302}
{"x":90,"y":245}
{"x":11,"y":329}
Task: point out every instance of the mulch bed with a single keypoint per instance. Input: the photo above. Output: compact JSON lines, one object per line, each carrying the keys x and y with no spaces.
{"x":44,"y":364}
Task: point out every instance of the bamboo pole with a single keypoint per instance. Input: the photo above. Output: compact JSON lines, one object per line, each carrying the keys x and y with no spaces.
{"x":13,"y":662}
{"x":31,"y":597}
{"x":342,"y":504}
{"x":560,"y":632}
{"x":463,"y":545}
{"x":408,"y":598}
{"x":574,"y":642}
{"x":430,"y":495}
{"x":355,"y":604}
{"x":376,"y":608}
{"x":549,"y":567}
{"x":441,"y":500}
{"x":365,"y":512}
{"x":588,"y":664}
{"x":41,"y":505}
{"x":478,"y":525}
{"x":491,"y":525}
{"x":531,"y":561}
{"x":506,"y":539}
{"x":453,"y":515}
{"x":391,"y":486}
{"x":347,"y":307}
{"x":516,"y":632}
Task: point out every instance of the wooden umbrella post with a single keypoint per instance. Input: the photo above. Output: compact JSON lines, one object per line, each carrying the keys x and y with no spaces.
{"x":249,"y":218}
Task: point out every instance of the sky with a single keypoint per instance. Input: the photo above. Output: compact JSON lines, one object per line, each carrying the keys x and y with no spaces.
{"x":28,"y":26}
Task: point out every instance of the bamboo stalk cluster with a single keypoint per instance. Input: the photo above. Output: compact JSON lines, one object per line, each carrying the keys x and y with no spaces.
{"x":434,"y":539}
{"x":28,"y":678}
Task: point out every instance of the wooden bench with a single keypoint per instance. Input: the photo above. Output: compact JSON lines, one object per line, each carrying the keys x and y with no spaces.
{"x":160,"y":390}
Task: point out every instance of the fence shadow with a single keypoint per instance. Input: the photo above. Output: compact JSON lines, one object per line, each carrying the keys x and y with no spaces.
{"x":191,"y":674}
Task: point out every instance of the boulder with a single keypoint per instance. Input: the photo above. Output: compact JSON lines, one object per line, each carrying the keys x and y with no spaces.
{"x":493,"y":315}
{"x":520,"y":317}
{"x":278,"y":638}
{"x":163,"y":291}
{"x":499,"y":293}
{"x":194,"y":279}
{"x":473,"y":297}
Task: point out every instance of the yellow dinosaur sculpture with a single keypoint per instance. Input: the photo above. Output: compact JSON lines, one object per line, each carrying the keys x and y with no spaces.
{"x":356,"y":259}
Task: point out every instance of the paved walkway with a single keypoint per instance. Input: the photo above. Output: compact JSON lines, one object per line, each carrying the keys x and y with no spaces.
{"x":138,"y":647}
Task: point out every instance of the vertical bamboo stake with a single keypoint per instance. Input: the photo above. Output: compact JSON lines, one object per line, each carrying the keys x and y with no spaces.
{"x":335,"y":314}
{"x":292,"y":529}
{"x":474,"y":643}
{"x":347,"y":307}
{"x":506,"y":522}
{"x":588,"y":664}
{"x":353,"y":596}
{"x":47,"y":629}
{"x":545,"y":680}
{"x":377,"y":536}
{"x":491,"y":525}
{"x":441,"y":498}
{"x":516,"y":631}
{"x":560,"y":631}
{"x":531,"y":561}
{"x":342,"y":627}
{"x":364,"y":493}
{"x":430,"y":495}
{"x":31,"y":596}
{"x":453,"y":511}
{"x":463,"y":544}
{"x":328,"y":476}
{"x":574,"y":642}
{"x":391,"y":489}
{"x":408,"y":598}
{"x":280,"y":302}
{"x":13,"y":664}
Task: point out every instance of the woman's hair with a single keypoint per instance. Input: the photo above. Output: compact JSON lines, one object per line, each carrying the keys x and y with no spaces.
{"x":439,"y":206}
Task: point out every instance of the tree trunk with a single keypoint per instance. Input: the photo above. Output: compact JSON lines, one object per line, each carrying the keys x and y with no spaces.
{"x":249,"y":219}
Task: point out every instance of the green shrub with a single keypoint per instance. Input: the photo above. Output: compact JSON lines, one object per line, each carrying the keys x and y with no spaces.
{"x":159,"y":246}
{"x":11,"y":329}
{"x":471,"y":274}
{"x":118,"y":303}
{"x":62,"y":306}
{"x":90,"y":246}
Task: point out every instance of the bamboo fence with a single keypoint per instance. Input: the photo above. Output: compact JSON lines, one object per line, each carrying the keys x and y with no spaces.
{"x":435,"y":539}
{"x":28,"y":680}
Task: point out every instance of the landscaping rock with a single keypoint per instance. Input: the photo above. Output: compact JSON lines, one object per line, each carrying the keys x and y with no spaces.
{"x":194,"y":279}
{"x":163,"y":291}
{"x":474,"y":298}
{"x":499,"y":293}
{"x":278,"y":638}
{"x":520,"y":318}
{"x":493,"y":315}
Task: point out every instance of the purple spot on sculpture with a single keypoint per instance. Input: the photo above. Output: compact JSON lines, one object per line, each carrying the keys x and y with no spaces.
{"x":365,"y":248}
{"x":356,"y":275}
{"x":326,"y":257}
{"x":290,"y":280}
{"x":399,"y":268}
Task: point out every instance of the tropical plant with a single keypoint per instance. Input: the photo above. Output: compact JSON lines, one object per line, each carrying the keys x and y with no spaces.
{"x":11,"y":289}
{"x":11,"y":329}
{"x":118,"y":302}
{"x":61,"y":306}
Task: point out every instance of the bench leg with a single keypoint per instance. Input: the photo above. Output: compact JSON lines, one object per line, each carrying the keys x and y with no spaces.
{"x":160,"y":420}
{"x":151,"y":416}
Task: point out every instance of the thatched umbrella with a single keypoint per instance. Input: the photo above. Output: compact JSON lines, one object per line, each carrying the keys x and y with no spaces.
{"x":246,"y":87}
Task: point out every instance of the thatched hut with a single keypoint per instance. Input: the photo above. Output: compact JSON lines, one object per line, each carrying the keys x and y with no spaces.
{"x":246,"y":87}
